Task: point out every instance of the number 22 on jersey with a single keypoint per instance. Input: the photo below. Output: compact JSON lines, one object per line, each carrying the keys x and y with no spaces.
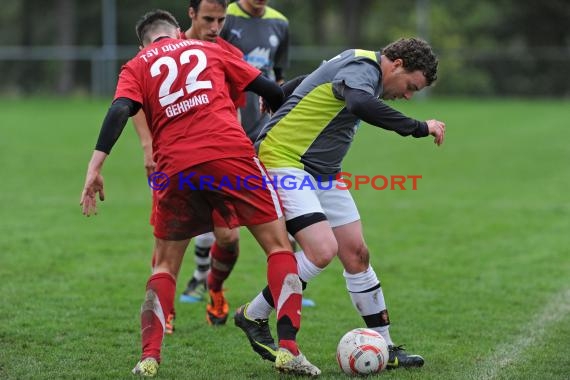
{"x":166,"y":95}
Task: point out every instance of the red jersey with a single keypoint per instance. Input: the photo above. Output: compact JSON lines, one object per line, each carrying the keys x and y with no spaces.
{"x":239,"y":98}
{"x":229,"y":47}
{"x":183,"y":88}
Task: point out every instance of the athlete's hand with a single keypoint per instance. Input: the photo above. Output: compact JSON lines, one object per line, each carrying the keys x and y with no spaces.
{"x":437,"y":129}
{"x":93,"y":185}
{"x":263,"y":106}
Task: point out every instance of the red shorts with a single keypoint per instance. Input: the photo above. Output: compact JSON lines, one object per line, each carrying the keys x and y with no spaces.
{"x":228,"y":192}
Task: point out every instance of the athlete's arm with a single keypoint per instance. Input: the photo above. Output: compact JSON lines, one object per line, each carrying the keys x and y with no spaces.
{"x":290,"y":86}
{"x":145,"y":137}
{"x":268,"y":90}
{"x":113,"y":125}
{"x":115,"y":120}
{"x":279,"y":75}
{"x":368,"y":108}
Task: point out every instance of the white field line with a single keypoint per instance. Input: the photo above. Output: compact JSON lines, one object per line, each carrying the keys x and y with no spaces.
{"x":509,"y":353}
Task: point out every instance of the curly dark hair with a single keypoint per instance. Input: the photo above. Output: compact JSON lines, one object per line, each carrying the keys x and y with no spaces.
{"x":151,"y":20}
{"x":416,"y":55}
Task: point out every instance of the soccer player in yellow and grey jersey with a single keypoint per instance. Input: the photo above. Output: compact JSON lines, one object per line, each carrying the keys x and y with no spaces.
{"x":307,"y":139}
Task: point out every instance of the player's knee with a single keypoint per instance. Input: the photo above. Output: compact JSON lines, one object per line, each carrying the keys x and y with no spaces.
{"x":323,"y":254}
{"x":227,"y":239}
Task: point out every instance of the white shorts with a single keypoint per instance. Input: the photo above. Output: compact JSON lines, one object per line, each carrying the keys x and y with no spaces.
{"x":301,"y":194}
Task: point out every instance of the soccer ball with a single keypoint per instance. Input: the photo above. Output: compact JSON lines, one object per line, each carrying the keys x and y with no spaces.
{"x":362,"y":352}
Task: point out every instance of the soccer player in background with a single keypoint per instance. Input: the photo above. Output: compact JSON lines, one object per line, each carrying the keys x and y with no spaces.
{"x":194,"y":114}
{"x":207,"y":17}
{"x":262,"y":34}
{"x":307,"y":138}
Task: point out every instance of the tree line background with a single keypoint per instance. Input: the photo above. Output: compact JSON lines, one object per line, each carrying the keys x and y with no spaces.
{"x":486,"y":47}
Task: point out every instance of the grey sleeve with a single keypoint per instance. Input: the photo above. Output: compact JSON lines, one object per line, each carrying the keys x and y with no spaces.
{"x":361,"y":75}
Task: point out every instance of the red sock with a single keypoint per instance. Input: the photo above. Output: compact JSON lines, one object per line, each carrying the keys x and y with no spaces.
{"x":287,"y":293}
{"x":152,"y":265}
{"x":221,"y":265}
{"x":158,"y":302}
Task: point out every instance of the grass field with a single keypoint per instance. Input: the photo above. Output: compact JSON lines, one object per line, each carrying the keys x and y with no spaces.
{"x":475,"y":263}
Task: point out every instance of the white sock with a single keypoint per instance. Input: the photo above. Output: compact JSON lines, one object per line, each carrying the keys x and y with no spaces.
{"x":307,"y":270}
{"x":368,"y":299}
{"x":259,"y":308}
{"x":199,"y":274}
{"x":385,"y":332}
{"x":205,"y":240}
{"x":202,"y":243}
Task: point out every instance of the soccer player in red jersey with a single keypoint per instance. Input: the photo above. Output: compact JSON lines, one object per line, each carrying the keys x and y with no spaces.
{"x":222,"y":244}
{"x":181,"y":86}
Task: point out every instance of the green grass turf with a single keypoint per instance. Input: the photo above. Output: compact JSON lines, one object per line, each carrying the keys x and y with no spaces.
{"x":475,"y":263}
